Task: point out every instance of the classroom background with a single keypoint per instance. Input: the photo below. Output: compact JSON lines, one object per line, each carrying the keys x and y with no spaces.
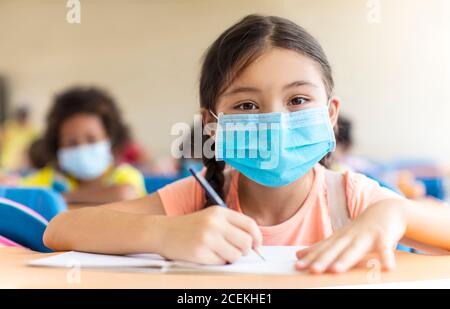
{"x":390,"y":62}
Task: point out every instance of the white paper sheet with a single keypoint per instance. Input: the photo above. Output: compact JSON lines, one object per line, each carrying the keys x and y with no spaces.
{"x":278,"y":260}
{"x":90,"y":260}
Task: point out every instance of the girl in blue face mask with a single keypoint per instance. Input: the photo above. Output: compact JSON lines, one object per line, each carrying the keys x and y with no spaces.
{"x":266,"y":94}
{"x":84,"y":128}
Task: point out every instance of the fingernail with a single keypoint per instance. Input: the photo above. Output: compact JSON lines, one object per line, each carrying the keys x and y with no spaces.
{"x":318,"y":267}
{"x":301,"y":263}
{"x":390,"y":265}
{"x":339,"y":267}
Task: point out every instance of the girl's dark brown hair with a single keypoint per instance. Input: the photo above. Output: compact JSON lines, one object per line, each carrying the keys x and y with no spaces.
{"x":80,"y":100}
{"x":234,"y":50}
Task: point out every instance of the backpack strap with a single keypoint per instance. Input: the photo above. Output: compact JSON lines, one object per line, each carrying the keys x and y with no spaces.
{"x":337,"y":201}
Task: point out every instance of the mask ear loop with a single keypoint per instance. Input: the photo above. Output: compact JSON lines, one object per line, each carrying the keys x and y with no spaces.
{"x":214,"y":115}
{"x":217,"y":118}
{"x":214,"y":136}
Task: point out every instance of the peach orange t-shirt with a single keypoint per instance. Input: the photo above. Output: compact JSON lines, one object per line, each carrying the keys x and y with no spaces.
{"x":310,"y":224}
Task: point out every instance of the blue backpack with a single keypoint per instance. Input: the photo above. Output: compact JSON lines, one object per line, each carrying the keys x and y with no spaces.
{"x":22,"y":225}
{"x":45,"y":202}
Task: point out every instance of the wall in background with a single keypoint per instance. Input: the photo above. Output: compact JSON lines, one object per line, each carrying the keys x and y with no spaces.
{"x":392,"y":69}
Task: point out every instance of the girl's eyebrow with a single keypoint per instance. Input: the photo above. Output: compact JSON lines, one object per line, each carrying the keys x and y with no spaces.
{"x":245,"y":89}
{"x":240,"y":90}
{"x":299,"y":83}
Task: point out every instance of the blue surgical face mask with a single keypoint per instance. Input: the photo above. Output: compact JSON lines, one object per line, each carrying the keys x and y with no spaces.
{"x":86,"y":162}
{"x":274,"y":149}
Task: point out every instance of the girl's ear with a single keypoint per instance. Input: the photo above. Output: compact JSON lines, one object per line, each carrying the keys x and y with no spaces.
{"x":207,"y":118}
{"x":333,"y":110}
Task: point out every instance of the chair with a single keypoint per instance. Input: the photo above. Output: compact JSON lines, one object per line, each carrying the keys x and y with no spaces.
{"x":155,"y":182}
{"x":434,"y":187}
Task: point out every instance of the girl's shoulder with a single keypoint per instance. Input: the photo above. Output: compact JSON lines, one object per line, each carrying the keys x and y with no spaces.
{"x":49,"y":177}
{"x":181,"y":197}
{"x":125,"y":170}
{"x":186,"y":196}
{"x":41,"y":178}
{"x":362,"y":192}
{"x":126,"y":174}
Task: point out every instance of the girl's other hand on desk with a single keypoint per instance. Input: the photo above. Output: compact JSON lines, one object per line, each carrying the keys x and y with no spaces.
{"x":376,"y":230}
{"x":214,"y":235}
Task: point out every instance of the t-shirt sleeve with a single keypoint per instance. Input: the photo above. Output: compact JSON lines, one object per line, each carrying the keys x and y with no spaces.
{"x":182,"y":197}
{"x":128,"y":175}
{"x":363,"y":192}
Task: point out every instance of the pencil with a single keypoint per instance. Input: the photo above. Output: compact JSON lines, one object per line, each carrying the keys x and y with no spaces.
{"x":217,"y":199}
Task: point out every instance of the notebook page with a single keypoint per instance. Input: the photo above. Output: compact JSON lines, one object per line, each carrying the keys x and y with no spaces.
{"x":278,"y":260}
{"x":91,"y":260}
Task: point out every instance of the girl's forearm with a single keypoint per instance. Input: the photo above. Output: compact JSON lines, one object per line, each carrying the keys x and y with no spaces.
{"x":427,"y":223}
{"x":105,"y":231}
{"x":101,"y":195}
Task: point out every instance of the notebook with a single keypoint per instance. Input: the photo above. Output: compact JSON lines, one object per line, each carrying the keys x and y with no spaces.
{"x":278,"y":260}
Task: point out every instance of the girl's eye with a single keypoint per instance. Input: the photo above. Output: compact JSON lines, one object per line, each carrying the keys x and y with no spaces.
{"x":91,"y":139}
{"x":247,"y":106}
{"x":69,"y":143}
{"x":298,"y":101}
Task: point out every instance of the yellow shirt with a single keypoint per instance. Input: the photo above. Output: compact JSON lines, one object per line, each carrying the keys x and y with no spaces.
{"x":16,"y":140}
{"x":120,"y":175}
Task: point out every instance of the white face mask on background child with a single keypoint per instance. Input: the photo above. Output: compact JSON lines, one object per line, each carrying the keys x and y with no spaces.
{"x":86,"y":162}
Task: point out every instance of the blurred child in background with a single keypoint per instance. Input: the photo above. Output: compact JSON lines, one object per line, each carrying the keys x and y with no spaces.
{"x":84,"y":130}
{"x":15,"y":138}
{"x":188,"y":155}
{"x":131,"y":152}
{"x":37,"y":157}
{"x":344,"y":143}
{"x":343,"y":160}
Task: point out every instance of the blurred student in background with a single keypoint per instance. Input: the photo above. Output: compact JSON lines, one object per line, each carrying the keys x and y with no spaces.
{"x":37,"y":157}
{"x":84,"y":130}
{"x":132,"y":152}
{"x":15,"y":138}
{"x":344,"y":143}
{"x":188,"y":155}
{"x":343,"y":159}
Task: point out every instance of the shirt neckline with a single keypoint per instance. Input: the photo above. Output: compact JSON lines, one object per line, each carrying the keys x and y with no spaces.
{"x":281,"y":227}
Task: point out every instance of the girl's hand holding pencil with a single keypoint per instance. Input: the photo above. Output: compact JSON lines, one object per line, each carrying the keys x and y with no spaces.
{"x":215,"y":235}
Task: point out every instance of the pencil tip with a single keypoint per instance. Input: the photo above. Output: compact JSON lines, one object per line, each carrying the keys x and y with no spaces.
{"x":259,"y":254}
